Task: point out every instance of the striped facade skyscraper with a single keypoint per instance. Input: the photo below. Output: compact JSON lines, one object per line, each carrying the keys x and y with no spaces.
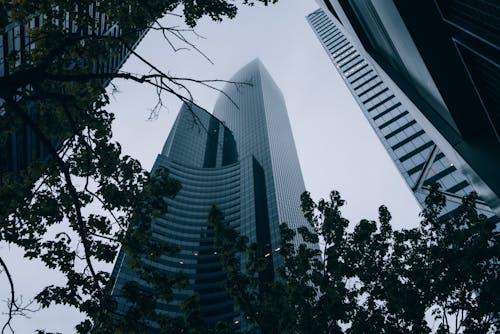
{"x":420,"y":160}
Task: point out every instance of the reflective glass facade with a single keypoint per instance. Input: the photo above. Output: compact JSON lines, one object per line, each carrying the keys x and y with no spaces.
{"x":257,"y":116}
{"x":444,"y":57}
{"x":245,"y":162}
{"x":418,"y":158}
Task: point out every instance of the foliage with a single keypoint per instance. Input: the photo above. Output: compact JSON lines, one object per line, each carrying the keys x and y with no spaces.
{"x":52,"y":93}
{"x":373,"y":279}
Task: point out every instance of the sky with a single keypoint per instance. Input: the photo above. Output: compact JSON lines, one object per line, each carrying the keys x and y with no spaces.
{"x":336,"y":146}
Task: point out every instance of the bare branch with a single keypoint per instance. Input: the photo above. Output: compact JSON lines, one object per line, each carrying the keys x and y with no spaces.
{"x":15,"y":307}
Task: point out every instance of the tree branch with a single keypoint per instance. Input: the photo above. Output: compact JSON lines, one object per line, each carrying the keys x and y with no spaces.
{"x":12,"y":303}
{"x":81,"y":229}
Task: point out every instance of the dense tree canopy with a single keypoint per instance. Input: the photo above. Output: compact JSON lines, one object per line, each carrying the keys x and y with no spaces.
{"x":441,"y":277}
{"x":61,"y":54}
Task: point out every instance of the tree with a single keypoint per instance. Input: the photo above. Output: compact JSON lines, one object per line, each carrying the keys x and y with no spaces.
{"x":439,"y":277}
{"x":53,"y":87}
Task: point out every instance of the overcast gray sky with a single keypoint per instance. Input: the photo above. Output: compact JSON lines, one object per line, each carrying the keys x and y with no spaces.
{"x":336,"y":146}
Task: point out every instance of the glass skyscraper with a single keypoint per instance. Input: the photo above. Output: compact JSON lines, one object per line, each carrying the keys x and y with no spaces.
{"x":22,"y":147}
{"x":241,"y":159}
{"x":420,"y":160}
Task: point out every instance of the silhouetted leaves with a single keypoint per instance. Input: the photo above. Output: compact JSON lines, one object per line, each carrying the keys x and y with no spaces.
{"x":76,"y":204}
{"x":373,"y":279}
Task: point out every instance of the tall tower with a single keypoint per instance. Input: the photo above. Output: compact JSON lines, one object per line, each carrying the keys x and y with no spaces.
{"x":243,"y":161}
{"x":420,"y":159}
{"x":444,"y":58}
{"x":257,"y":116}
